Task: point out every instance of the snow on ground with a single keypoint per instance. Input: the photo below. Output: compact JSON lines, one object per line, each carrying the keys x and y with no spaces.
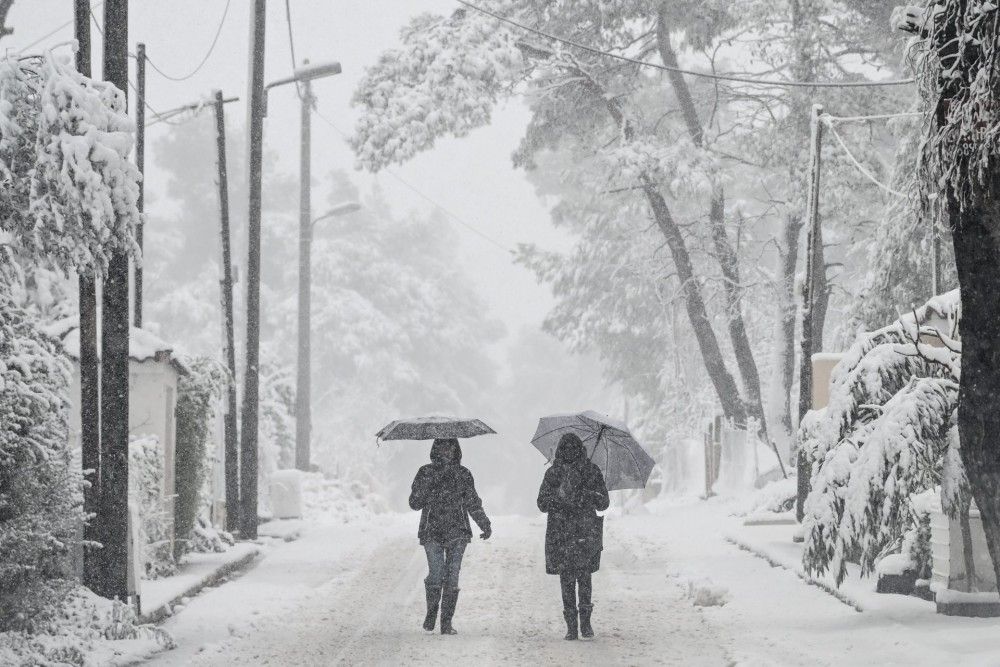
{"x":671,"y":591}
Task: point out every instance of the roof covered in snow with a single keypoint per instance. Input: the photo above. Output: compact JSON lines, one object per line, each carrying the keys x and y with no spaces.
{"x":142,"y":345}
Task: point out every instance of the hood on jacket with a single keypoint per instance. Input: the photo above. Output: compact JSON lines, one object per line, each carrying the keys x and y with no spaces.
{"x":446,"y":450}
{"x":570,"y":449}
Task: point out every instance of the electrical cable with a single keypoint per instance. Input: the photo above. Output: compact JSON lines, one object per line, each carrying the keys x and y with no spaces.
{"x":211,"y":48}
{"x":291,"y":44}
{"x":857,"y":163}
{"x":884,"y":116}
{"x":423,"y":196}
{"x":704,"y":75}
{"x":55,"y":30}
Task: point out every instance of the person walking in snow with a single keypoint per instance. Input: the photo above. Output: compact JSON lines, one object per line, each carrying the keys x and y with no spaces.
{"x":572,"y":492}
{"x":445,"y":494}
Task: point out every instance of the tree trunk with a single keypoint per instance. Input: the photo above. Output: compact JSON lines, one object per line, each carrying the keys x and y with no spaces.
{"x":977,"y":256}
{"x":789,"y":251}
{"x":725,"y":385}
{"x":724,"y":251}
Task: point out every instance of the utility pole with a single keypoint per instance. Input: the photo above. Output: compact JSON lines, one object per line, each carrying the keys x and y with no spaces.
{"x":232,"y":444}
{"x":303,"y":391}
{"x":90,"y":382}
{"x":814,"y":263}
{"x":248,"y":436}
{"x":115,"y":355}
{"x":140,"y":163}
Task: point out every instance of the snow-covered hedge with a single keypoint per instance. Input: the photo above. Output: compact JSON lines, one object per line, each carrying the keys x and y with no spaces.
{"x":886,"y":435}
{"x":146,"y":492}
{"x":197,"y":397}
{"x":40,"y":487}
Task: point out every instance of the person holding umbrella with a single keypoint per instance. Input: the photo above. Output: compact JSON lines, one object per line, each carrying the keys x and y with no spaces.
{"x":572,"y":492}
{"x":445,"y":494}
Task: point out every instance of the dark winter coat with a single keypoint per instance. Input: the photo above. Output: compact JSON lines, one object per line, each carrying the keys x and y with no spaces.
{"x":573,"y":488}
{"x":445,"y":493}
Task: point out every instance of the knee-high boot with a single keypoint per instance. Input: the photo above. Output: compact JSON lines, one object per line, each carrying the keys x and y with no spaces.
{"x":449,"y":600}
{"x":433,"y":601}
{"x":568,"y":585}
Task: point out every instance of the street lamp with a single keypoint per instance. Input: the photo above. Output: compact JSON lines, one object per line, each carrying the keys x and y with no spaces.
{"x":340,"y":209}
{"x":304,"y":75}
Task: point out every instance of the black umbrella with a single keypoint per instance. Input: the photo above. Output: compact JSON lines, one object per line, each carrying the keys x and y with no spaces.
{"x":432,"y":428}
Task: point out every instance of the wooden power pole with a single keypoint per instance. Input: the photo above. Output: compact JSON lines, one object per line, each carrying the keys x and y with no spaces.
{"x":140,"y":163}
{"x":251,"y":379}
{"x":90,"y":382}
{"x":814,"y":263}
{"x":303,"y":390}
{"x":231,"y":436}
{"x":115,"y":356}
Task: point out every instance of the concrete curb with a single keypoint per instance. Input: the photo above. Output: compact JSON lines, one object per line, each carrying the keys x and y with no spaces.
{"x":164,"y":611}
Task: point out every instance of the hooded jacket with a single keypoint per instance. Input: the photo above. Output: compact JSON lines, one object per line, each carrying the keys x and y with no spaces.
{"x":572,"y":492}
{"x":445,"y":493}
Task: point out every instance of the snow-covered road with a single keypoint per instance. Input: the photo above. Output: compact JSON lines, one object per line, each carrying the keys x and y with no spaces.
{"x":350,"y":595}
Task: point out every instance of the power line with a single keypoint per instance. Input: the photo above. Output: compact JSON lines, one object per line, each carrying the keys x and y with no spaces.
{"x":291,"y":44}
{"x":55,"y":30}
{"x":857,"y":163}
{"x":885,"y":116}
{"x":423,"y":196}
{"x":704,"y":75}
{"x":211,"y":48}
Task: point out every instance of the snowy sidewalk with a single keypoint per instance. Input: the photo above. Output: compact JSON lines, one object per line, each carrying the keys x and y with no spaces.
{"x":160,"y":597}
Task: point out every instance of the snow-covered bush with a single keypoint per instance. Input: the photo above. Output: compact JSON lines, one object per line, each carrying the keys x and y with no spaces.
{"x":40,"y":487}
{"x":886,"y":435}
{"x":778,"y":496}
{"x":146,"y":493}
{"x":197,"y":396}
{"x":82,"y":632}
{"x":68,"y":190}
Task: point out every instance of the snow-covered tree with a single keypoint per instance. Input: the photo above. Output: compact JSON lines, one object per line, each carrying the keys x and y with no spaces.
{"x":960,"y":67}
{"x":884,"y":437}
{"x":687,"y":160}
{"x":40,"y":484}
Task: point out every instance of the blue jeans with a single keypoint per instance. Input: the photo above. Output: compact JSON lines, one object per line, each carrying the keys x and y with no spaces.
{"x":444,"y":562}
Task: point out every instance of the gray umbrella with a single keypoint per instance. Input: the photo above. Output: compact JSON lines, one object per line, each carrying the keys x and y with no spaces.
{"x":609,"y":444}
{"x":429,"y":428}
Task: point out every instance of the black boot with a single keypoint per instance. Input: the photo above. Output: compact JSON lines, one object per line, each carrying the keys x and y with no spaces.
{"x":449,"y":599}
{"x":586,"y":630}
{"x":571,"y":627}
{"x":433,"y":600}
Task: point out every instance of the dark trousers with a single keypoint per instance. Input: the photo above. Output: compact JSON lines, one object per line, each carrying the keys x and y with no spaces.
{"x":569,"y":582}
{"x":444,"y":562}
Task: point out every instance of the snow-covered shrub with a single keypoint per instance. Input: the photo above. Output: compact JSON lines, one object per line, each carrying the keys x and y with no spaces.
{"x":206,"y":538}
{"x":68,"y":190}
{"x":40,"y":487}
{"x":778,"y":496}
{"x":82,"y":632}
{"x":146,"y":493}
{"x":197,"y":396}
{"x":885,"y":436}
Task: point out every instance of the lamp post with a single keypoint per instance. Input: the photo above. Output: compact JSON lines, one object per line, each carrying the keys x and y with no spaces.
{"x":303,"y":417}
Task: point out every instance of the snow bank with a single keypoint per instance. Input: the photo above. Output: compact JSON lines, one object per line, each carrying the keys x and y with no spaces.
{"x":778,"y":496}
{"x":89,"y":630}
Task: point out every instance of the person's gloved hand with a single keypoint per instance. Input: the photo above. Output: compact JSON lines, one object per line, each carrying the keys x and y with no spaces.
{"x":486,"y":533}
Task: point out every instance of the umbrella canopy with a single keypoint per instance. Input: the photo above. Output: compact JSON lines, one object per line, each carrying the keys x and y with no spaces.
{"x":609,"y":444}
{"x":430,"y":428}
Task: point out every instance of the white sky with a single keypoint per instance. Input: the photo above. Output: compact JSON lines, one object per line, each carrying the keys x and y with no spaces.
{"x":471,"y":177}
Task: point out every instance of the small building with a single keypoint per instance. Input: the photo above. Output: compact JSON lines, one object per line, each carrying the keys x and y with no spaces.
{"x":154,"y":372}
